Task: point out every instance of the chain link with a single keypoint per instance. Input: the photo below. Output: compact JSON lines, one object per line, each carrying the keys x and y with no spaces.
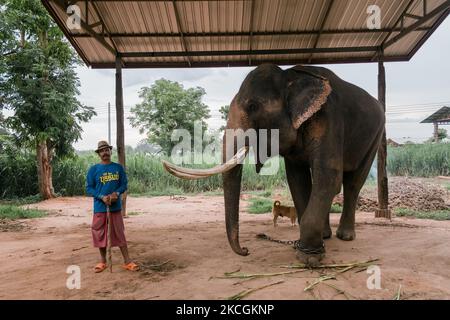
{"x":294,"y":243}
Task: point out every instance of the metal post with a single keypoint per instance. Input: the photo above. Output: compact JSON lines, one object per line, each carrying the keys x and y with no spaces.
{"x":383,"y":193}
{"x":120,"y":131}
{"x":109,"y":123}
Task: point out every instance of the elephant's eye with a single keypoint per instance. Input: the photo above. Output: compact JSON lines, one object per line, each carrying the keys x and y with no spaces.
{"x":252,"y":107}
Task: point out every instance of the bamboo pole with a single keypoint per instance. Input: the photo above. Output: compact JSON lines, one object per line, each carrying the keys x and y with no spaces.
{"x":108,"y":244}
{"x":120,"y":132}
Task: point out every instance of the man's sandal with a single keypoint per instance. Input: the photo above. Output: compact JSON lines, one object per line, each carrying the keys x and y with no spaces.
{"x":131,"y":266}
{"x":100,"y":267}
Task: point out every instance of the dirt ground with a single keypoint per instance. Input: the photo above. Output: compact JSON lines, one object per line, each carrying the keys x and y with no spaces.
{"x":188,"y":238}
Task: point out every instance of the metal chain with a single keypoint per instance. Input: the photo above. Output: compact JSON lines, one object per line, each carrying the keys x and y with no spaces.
{"x":294,"y":243}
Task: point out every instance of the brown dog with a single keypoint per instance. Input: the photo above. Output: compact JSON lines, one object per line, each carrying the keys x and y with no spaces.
{"x":283,"y":211}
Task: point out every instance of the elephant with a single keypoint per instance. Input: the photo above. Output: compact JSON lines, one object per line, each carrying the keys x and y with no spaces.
{"x":329,"y":133}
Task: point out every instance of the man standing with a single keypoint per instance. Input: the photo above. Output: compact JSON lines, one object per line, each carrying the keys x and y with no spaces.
{"x":106,"y":181}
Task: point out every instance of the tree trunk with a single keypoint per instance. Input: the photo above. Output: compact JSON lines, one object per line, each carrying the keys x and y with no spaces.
{"x":44,"y":171}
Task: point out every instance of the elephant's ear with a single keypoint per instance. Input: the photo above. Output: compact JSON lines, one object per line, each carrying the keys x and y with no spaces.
{"x":306,"y":95}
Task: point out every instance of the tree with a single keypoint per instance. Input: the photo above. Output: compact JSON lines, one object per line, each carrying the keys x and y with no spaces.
{"x":224,"y":114}
{"x":167,"y":106}
{"x":442,"y":134}
{"x":145,"y":147}
{"x":38,"y":82}
{"x":4,"y":135}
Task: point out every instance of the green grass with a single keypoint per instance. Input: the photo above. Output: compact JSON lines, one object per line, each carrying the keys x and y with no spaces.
{"x":134,"y":213}
{"x":423,"y":160}
{"x":447,"y":186}
{"x":14,"y":212}
{"x":434,"y":215}
{"x":260,"y":205}
{"x":260,"y":193}
{"x":22,"y":201}
{"x":146,"y":175}
{"x":336,"y":208}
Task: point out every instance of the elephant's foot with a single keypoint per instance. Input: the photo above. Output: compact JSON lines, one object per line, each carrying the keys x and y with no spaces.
{"x":310,"y":260}
{"x":327,"y":233}
{"x":310,"y":257}
{"x":346,"y":234}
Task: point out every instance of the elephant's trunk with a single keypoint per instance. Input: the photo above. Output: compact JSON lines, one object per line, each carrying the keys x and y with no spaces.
{"x":232,"y":189}
{"x":231,"y":170}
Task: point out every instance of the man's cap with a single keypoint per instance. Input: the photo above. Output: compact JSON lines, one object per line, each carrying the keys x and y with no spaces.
{"x":102,"y":145}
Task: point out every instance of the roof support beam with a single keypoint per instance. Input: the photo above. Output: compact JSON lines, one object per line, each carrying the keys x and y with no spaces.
{"x":120,"y":132}
{"x":243,"y":63}
{"x":104,"y":27}
{"x":444,"y":6}
{"x":383,"y":192}
{"x":88,"y":29}
{"x":183,"y":40}
{"x":86,"y":9}
{"x":322,"y":25}
{"x":246,"y":52}
{"x":252,"y":14}
{"x":400,"y":19}
{"x":253,"y":33}
{"x":412,"y":16}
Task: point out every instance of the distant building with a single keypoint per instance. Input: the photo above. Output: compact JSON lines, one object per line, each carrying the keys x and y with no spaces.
{"x":442,"y":116}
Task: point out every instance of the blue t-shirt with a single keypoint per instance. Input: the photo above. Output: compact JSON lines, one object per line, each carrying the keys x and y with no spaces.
{"x":104,"y":179}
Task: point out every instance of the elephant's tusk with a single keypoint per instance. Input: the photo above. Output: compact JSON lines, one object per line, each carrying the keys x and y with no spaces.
{"x":192,"y":174}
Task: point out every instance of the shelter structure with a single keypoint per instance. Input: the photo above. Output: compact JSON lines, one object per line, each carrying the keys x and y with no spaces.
{"x":228,"y":33}
{"x":442,"y":116}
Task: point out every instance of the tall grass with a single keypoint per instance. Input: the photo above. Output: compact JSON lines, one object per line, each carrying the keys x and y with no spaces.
{"x":434,"y":215}
{"x":13,"y":212}
{"x":423,"y":160}
{"x":18,"y":175}
{"x":146,"y":175}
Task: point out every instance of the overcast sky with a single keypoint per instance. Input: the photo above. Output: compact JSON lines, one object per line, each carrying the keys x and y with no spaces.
{"x":415,"y":89}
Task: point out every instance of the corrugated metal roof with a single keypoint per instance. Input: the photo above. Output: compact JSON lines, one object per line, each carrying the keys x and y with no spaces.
{"x":443,"y":114}
{"x":202,"y":33}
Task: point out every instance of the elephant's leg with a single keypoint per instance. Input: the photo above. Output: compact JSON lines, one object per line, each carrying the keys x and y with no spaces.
{"x":353,"y":182}
{"x":326,"y":183}
{"x":346,"y":229}
{"x":327,"y":229}
{"x":299,"y":181}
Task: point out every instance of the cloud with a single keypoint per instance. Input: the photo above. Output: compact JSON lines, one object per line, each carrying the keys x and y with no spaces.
{"x":144,"y":77}
{"x":424,"y":79}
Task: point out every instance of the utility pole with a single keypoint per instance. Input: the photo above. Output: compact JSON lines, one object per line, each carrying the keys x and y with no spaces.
{"x":109,"y":122}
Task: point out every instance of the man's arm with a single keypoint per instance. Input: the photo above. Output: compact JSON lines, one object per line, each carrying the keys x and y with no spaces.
{"x":123,"y":180}
{"x":90,"y":184}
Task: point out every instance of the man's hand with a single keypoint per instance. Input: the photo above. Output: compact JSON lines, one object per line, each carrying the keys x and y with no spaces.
{"x":107,"y":200}
{"x":114,"y":197}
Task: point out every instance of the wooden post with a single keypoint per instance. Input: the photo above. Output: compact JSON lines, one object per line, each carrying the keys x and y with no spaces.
{"x":383,"y":192}
{"x":120,"y":131}
{"x":436,"y":132}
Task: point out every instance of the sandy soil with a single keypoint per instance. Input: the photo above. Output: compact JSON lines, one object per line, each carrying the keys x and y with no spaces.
{"x":190,"y":234}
